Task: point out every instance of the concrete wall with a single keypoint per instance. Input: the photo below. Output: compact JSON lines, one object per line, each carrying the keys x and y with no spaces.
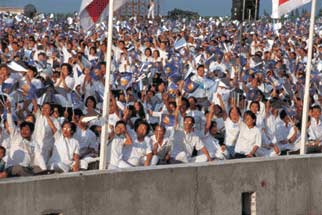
{"x":283,"y":185}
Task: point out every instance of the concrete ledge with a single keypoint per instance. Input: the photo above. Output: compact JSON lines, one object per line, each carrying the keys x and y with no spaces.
{"x":283,"y":185}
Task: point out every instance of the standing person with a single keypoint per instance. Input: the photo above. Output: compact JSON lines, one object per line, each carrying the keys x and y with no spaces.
{"x":151,"y":9}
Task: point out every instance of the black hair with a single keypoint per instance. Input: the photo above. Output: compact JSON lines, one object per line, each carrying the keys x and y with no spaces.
{"x":78,"y":112}
{"x":69,"y":67}
{"x":72,"y":126}
{"x":120,"y":122}
{"x":213,"y":124}
{"x":252,"y":115}
{"x":316,"y":107}
{"x":255,"y":102}
{"x":30,"y":125}
{"x":161,"y":126}
{"x":201,"y":65}
{"x":189,"y":117}
{"x":283,"y":114}
{"x":139,"y":122}
{"x":231,"y":109}
{"x":91,"y":98}
{"x":3,"y":149}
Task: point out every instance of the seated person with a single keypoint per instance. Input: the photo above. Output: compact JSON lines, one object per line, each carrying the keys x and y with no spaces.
{"x":161,"y":146}
{"x":185,"y":141}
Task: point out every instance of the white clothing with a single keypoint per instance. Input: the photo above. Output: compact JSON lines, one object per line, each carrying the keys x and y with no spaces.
{"x":44,"y":135}
{"x":247,"y":139}
{"x":315,"y":130}
{"x":22,"y":151}
{"x":232,"y":132}
{"x":184,"y":143}
{"x":213,"y":147}
{"x":63,"y":152}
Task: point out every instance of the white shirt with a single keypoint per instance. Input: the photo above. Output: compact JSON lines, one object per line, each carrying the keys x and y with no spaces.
{"x":185,"y":142}
{"x":140,"y":149}
{"x":86,"y":139}
{"x":64,"y":149}
{"x":213,"y":147}
{"x":43,"y":133}
{"x":22,"y":151}
{"x":164,"y":148}
{"x":116,"y":150}
{"x":315,"y":129}
{"x":232,"y":132}
{"x":247,"y":139}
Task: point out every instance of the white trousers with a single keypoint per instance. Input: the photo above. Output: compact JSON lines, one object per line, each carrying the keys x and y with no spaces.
{"x":151,"y":12}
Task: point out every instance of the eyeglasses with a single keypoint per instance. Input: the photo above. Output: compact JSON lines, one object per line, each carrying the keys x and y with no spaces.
{"x":67,"y":129}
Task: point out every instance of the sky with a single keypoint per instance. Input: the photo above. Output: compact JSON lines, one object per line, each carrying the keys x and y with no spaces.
{"x":203,"y":7}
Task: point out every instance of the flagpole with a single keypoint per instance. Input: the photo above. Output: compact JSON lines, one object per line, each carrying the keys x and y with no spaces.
{"x":106,"y":100}
{"x":307,"y":81}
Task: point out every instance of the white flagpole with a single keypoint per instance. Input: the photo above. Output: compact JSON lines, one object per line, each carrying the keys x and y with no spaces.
{"x":106,"y":100}
{"x":307,"y":81}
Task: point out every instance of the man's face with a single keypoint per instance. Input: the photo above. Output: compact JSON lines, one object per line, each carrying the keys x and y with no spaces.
{"x":188,"y":124}
{"x":25,"y":132}
{"x":316,"y":113}
{"x":201,"y":71}
{"x":141,"y":131}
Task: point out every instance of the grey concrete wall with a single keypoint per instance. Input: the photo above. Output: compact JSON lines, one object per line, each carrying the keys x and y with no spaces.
{"x":283,"y":185}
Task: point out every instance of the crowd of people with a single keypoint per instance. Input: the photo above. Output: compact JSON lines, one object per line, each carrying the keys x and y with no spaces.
{"x":180,"y":91}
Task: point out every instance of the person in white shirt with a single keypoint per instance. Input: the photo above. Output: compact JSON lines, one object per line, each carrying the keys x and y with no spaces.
{"x":151,"y":9}
{"x":161,"y":146}
{"x":139,"y":153}
{"x":43,"y":133}
{"x":249,"y":138}
{"x":65,"y":156}
{"x":205,"y":88}
{"x":216,"y":151}
{"x":120,"y":137}
{"x":315,"y":128}
{"x":185,"y":141}
{"x":65,"y":81}
{"x":25,"y":157}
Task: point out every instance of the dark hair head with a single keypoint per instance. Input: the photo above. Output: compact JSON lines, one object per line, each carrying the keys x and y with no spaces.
{"x":283,"y":114}
{"x":255,"y":102}
{"x":120,"y":122}
{"x":28,"y":124}
{"x":69,"y":67}
{"x":139,"y":122}
{"x":91,"y":98}
{"x":72,"y":126}
{"x":3,"y":149}
{"x":189,"y":117}
{"x":252,"y":115}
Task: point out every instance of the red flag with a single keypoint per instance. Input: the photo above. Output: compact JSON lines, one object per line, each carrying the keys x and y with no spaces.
{"x":93,"y":11}
{"x":281,"y":7}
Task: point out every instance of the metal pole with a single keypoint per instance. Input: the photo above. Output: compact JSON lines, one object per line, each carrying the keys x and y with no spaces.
{"x":256,"y":8}
{"x":307,"y":81}
{"x":243,"y":18}
{"x":249,"y":14}
{"x":106,"y":101}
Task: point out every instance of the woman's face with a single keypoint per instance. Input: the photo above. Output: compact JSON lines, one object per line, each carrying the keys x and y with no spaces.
{"x":159,"y":133}
{"x":90,"y":103}
{"x":234,"y":115}
{"x":67,"y":130}
{"x":250,"y":122}
{"x":254,"y":108}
